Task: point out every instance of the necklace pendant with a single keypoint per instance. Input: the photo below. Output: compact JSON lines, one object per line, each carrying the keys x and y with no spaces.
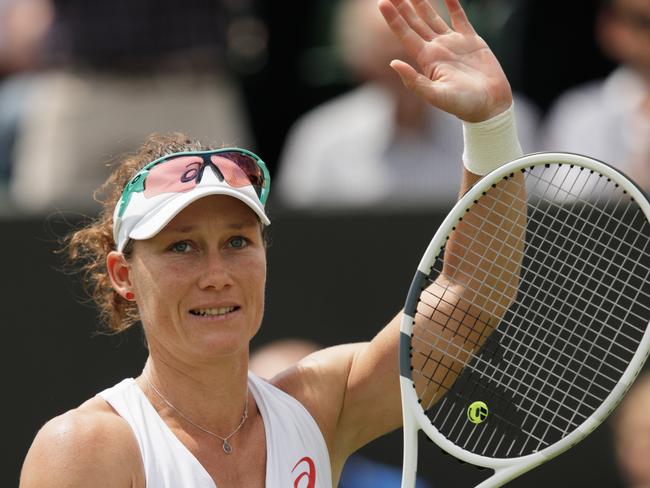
{"x":227,"y":448}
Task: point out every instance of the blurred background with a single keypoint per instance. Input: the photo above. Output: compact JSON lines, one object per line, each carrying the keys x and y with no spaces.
{"x":306,"y":85}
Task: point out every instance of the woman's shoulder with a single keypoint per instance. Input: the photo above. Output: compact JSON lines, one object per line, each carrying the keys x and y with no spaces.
{"x":88,"y":445}
{"x":93,"y":420}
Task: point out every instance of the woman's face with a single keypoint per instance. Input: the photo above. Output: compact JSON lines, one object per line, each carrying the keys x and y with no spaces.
{"x":199,"y":283}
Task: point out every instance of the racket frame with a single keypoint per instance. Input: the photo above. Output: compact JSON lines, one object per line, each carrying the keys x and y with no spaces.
{"x":414,"y":417}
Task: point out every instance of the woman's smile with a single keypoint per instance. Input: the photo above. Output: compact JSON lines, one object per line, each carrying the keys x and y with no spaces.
{"x":213,"y":312}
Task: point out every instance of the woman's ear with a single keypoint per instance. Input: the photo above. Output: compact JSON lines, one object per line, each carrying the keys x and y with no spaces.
{"x":119,"y":272}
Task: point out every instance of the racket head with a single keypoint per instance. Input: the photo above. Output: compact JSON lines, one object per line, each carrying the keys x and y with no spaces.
{"x":471,"y":439}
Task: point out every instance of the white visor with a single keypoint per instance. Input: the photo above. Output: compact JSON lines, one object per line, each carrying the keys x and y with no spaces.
{"x":144,"y":217}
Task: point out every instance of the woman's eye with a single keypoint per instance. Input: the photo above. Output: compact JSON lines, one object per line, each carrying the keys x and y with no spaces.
{"x":238,"y":242}
{"x":181,"y":247}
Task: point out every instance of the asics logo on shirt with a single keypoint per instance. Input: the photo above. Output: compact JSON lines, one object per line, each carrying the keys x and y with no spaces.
{"x":308,"y":470}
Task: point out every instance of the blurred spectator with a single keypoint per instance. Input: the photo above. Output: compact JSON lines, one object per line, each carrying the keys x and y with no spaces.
{"x":503,"y":24}
{"x":609,"y":119}
{"x":23,"y":27}
{"x":119,"y":71}
{"x":273,"y":358}
{"x":359,"y":471}
{"x":376,"y":146}
{"x":631,"y":425}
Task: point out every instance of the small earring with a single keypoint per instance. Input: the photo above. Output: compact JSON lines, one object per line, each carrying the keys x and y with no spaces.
{"x":129,"y":295}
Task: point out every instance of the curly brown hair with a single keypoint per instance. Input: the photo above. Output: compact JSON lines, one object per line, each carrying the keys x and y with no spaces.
{"x":88,"y":247}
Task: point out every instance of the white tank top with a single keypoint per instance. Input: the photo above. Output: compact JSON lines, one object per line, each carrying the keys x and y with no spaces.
{"x":296,"y":453}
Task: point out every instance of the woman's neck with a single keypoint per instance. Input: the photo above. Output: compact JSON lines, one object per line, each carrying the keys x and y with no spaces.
{"x":212,"y":396}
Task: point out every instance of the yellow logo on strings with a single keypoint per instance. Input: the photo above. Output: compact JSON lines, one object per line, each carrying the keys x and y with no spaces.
{"x":477,"y":412}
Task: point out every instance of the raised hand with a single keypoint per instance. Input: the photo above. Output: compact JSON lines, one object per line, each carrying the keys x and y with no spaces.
{"x":458,"y":72}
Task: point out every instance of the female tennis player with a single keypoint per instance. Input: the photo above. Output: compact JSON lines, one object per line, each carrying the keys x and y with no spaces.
{"x":179,"y":246}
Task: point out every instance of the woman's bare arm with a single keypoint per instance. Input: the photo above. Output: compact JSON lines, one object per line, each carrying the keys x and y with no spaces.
{"x":459,"y":74}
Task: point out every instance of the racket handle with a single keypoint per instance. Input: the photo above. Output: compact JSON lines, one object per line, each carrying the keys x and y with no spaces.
{"x":410,"y":457}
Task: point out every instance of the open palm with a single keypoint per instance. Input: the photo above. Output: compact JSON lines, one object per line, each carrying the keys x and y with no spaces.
{"x":458,"y":72}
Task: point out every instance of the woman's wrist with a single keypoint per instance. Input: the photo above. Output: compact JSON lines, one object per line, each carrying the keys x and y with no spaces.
{"x":491,"y":143}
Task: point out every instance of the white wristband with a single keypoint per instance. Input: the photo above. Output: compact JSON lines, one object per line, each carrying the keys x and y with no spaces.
{"x":491,"y":143}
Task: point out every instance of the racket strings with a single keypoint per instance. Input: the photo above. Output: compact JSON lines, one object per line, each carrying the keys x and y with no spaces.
{"x":570,"y":294}
{"x":589,"y":239}
{"x":556,"y":303}
{"x":602,"y":209}
{"x":572,"y":308}
{"x":615,"y":340}
{"x":494,"y":200}
{"x":480,"y":363}
{"x":557,"y":214}
{"x":532,"y":310}
{"x":457,"y":357}
{"x":580,"y":274}
{"x":466,"y":312}
{"x":581,"y":261}
{"x":481,"y":368}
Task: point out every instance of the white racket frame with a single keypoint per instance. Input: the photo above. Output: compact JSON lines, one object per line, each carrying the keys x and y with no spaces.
{"x":414,"y":416}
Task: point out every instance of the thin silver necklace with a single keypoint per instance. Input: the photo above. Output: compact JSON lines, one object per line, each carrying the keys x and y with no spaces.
{"x":227,"y":448}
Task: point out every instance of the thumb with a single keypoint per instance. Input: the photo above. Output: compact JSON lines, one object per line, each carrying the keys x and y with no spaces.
{"x":416,"y":82}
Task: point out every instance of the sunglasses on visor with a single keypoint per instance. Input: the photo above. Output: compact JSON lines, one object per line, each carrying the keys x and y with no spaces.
{"x":181,"y":172}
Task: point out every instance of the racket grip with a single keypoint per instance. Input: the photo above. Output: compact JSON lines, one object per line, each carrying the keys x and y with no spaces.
{"x":410,"y":456}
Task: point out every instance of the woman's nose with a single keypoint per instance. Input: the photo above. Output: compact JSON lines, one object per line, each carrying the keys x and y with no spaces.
{"x":215,"y":273}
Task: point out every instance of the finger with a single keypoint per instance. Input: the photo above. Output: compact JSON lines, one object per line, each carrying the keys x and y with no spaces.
{"x":411,"y":41}
{"x":427,"y":13}
{"x":413,"y":19}
{"x":416,"y":82}
{"x":459,"y":20}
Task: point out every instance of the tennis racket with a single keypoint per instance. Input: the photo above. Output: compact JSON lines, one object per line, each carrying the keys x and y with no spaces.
{"x":530,"y":332}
